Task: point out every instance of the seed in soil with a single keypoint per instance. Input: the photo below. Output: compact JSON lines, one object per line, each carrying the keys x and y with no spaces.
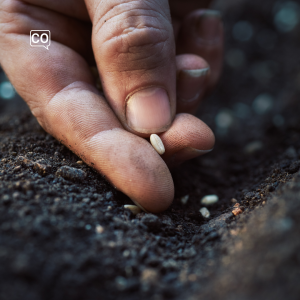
{"x":204,"y":212}
{"x":133,"y":208}
{"x":209,"y":199}
{"x":157,"y":144}
{"x":99,"y":229}
{"x":184,"y":199}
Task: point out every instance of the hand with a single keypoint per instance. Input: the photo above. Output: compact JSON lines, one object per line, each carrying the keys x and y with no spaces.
{"x":133,"y":45}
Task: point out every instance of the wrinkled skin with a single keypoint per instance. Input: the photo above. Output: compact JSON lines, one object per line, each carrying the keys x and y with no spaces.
{"x":141,"y":45}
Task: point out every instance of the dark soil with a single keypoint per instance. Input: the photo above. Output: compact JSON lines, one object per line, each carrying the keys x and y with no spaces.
{"x":64,"y":233}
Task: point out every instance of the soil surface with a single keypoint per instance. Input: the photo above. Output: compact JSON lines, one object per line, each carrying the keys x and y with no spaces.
{"x":64,"y":232}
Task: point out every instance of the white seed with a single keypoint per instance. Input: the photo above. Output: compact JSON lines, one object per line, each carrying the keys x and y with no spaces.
{"x":157,"y":144}
{"x":99,"y":229}
{"x":133,"y":208}
{"x":204,"y":212}
{"x":209,"y":199}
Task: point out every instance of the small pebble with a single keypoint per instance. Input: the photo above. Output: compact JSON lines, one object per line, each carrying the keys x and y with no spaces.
{"x":16,"y":169}
{"x":157,"y":144}
{"x":99,"y":229}
{"x":108,"y":195}
{"x":133,"y":208}
{"x":184,"y":199}
{"x":204,"y":212}
{"x":149,"y":276}
{"x":209,"y":199}
{"x":25,"y":161}
{"x":86,"y":200}
{"x":233,"y":200}
{"x":237,"y":211}
{"x":253,"y":147}
{"x":41,"y":168}
{"x":80,"y":162}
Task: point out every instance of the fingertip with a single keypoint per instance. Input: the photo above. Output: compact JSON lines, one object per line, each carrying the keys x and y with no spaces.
{"x":192,"y":81}
{"x":132,"y":165}
{"x":187,"y":138}
{"x":202,"y":33}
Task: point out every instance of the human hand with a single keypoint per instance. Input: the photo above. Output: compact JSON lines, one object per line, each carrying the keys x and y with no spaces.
{"x":133,"y":45}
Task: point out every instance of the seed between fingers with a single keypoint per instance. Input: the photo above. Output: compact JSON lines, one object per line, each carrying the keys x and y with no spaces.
{"x":157,"y":144}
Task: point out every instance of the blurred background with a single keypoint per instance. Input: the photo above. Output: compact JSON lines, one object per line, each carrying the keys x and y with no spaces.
{"x":261,"y":76}
{"x":254,"y":112}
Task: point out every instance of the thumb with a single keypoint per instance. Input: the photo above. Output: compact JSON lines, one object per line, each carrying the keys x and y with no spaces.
{"x":134,"y":48}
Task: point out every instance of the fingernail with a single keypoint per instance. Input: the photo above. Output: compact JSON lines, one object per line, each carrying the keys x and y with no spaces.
{"x":191,"y":84}
{"x":209,"y":26}
{"x":148,"y":110}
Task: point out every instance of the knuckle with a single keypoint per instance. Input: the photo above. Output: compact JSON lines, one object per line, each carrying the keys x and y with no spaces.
{"x":140,"y":39}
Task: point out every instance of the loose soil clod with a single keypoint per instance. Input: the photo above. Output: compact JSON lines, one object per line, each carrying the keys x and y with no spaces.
{"x":71,"y":174}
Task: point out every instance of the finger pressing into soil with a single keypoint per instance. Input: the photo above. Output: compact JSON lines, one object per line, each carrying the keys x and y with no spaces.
{"x":193,"y":75}
{"x":84,"y":122}
{"x":201,"y":33}
{"x":60,"y":93}
{"x":187,"y":138}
